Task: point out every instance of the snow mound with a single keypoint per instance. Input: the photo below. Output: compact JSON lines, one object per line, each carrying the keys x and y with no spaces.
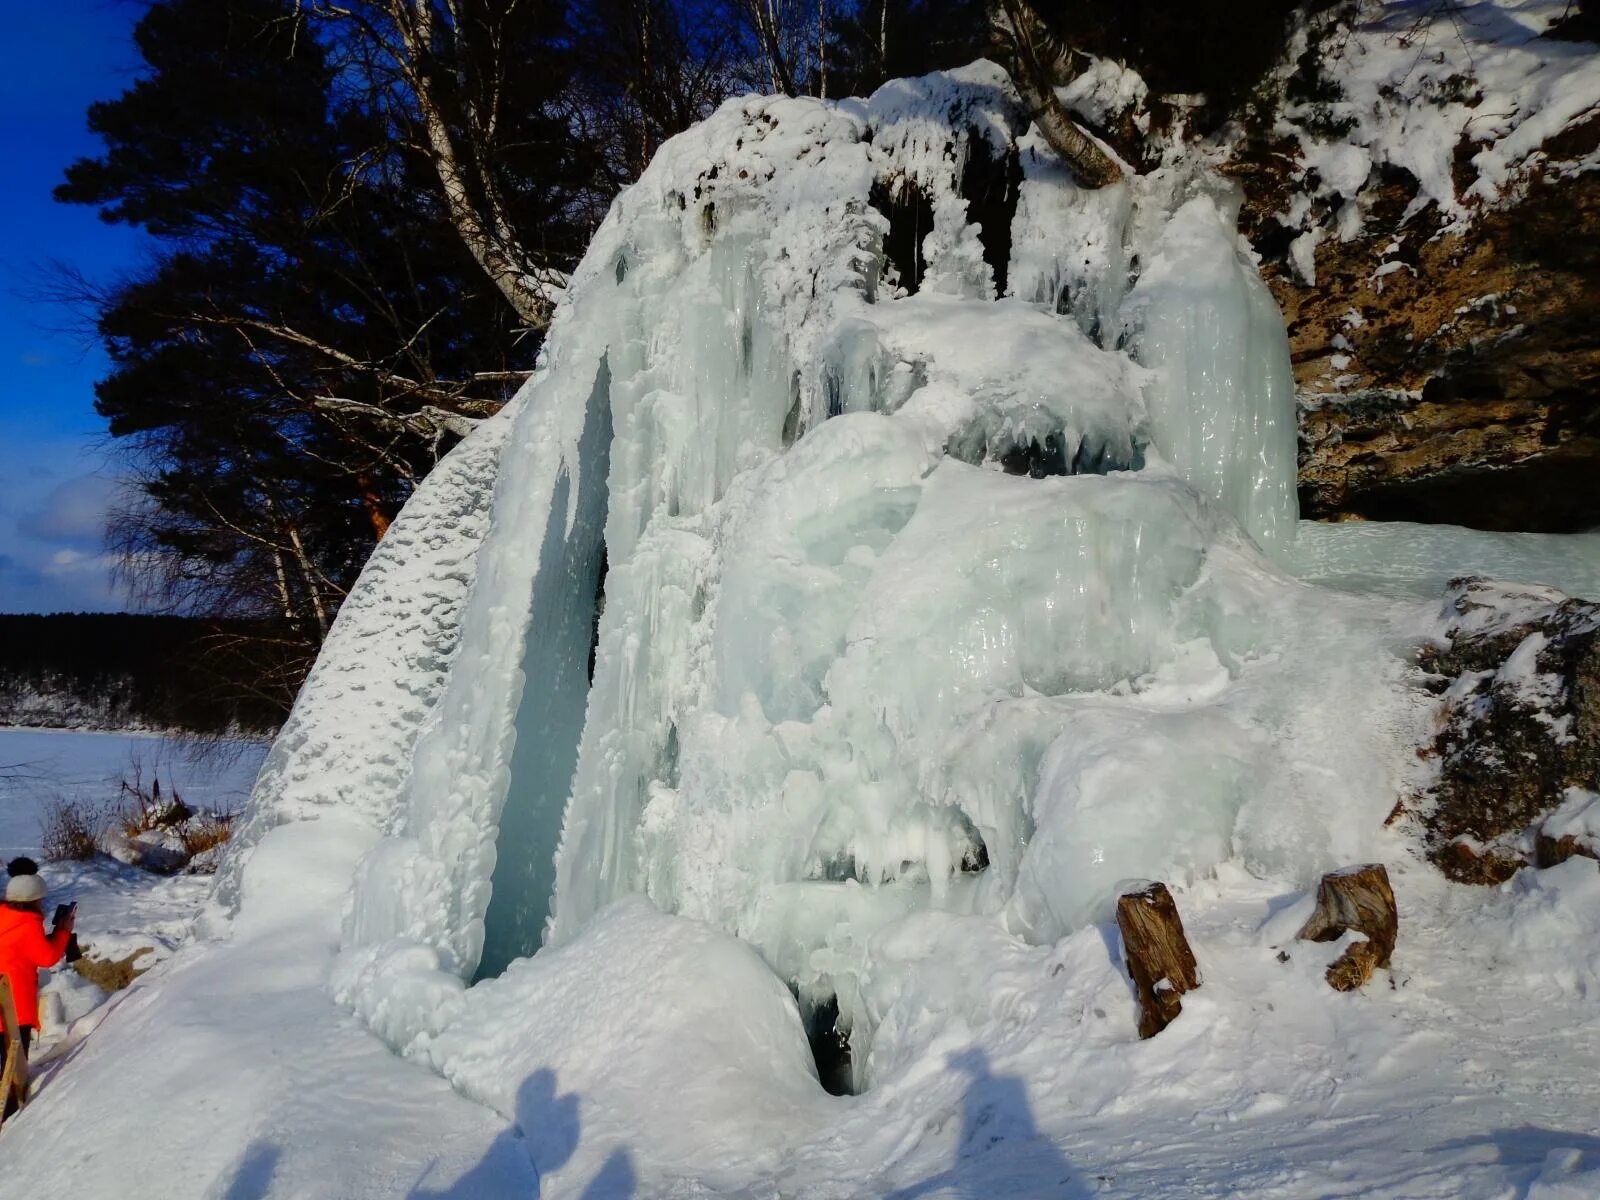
{"x":707,"y":1023}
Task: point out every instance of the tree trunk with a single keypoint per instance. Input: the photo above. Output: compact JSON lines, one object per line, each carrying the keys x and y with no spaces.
{"x":486,"y":231}
{"x":1157,"y":955}
{"x":1036,"y":60}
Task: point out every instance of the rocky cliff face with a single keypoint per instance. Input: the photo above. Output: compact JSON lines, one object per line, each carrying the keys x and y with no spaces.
{"x":1422,"y":182}
{"x":1455,"y":376}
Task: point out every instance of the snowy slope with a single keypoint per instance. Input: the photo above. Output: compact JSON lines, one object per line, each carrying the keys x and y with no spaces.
{"x":229,"y":1072}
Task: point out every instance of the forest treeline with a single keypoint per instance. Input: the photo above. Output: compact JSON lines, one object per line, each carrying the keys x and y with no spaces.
{"x":129,"y":671}
{"x":364,"y":212}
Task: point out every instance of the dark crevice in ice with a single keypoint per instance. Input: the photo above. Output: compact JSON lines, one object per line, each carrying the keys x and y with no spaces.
{"x":990,"y":184}
{"x":976,"y":860}
{"x":558,"y":656}
{"x":792,"y":419}
{"x":669,"y":757}
{"x":833,"y":389}
{"x":599,"y":611}
{"x":830,"y":1047}
{"x":1044,"y":459}
{"x":1037,"y":461}
{"x":910,"y":214}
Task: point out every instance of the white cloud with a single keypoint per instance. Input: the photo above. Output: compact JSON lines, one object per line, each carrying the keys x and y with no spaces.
{"x":73,"y":511}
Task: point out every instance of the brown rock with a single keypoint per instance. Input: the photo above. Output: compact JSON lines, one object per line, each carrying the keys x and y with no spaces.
{"x":1157,"y":955}
{"x":1358,"y":899}
{"x":1462,"y":383}
{"x":1551,"y":851}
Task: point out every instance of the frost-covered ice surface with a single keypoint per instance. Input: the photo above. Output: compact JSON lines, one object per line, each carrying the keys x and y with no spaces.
{"x":931,"y":616}
{"x":346,"y":742}
{"x":1400,"y":558}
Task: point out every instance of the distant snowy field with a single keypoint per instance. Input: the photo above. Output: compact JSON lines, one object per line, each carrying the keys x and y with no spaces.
{"x":39,"y":766}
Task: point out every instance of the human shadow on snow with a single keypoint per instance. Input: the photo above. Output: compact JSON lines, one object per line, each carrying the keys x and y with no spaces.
{"x":1001,"y":1151}
{"x":1528,"y":1145}
{"x":547,"y":1133}
{"x":252,"y":1178}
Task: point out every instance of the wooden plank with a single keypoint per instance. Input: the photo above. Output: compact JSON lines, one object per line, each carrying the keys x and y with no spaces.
{"x":14,"y":1079}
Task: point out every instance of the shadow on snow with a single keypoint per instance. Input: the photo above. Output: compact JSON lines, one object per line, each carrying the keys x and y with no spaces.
{"x":547,"y":1132}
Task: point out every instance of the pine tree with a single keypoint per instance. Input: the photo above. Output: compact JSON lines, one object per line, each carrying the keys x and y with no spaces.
{"x":313,"y":335}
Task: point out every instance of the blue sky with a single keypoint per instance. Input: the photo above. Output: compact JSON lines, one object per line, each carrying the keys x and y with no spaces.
{"x":57,"y":473}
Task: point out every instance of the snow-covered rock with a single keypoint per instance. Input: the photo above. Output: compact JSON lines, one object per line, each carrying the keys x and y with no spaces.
{"x":1519,"y":737}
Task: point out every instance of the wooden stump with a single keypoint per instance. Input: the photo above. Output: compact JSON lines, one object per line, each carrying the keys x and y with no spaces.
{"x":1157,"y":955}
{"x":14,"y":1076}
{"x":1359,"y":899}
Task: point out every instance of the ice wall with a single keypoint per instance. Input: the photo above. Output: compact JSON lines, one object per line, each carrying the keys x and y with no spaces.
{"x":918,"y":595}
{"x":1154,"y":263}
{"x":1221,"y":393}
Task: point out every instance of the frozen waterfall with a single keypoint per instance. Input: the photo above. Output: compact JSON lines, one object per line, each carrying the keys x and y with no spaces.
{"x":938,"y":568}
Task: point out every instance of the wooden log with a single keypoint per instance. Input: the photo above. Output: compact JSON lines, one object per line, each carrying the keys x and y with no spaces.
{"x":1157,"y":955}
{"x":1358,"y":899}
{"x":14,"y":1076}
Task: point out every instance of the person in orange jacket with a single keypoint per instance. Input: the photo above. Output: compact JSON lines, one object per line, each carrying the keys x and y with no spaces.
{"x":25,"y":948}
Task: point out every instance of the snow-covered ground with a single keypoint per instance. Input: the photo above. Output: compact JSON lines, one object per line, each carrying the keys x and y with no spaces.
{"x":540,"y":898}
{"x":122,"y":910}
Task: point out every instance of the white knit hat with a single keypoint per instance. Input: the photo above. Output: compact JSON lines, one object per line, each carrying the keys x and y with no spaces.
{"x":24,"y":889}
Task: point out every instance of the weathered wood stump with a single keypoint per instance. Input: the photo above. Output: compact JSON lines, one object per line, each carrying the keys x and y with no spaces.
{"x":1157,"y":955}
{"x":1359,"y":899}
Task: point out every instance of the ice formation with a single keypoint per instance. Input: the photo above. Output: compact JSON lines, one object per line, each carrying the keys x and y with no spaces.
{"x":881,"y":536}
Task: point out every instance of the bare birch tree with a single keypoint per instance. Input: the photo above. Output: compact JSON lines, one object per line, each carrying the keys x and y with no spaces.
{"x":1038,"y":62}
